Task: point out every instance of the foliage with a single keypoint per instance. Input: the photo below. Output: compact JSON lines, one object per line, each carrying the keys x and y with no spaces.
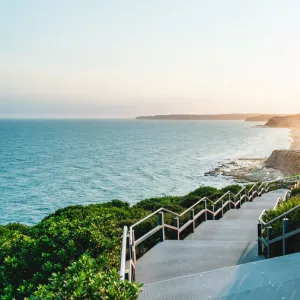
{"x":85,"y":279}
{"x":74,"y":253}
{"x":295,"y":192}
{"x":294,"y":217}
{"x":292,"y":243}
{"x":29,"y":256}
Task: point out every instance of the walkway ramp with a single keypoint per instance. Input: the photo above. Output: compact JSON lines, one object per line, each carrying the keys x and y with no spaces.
{"x":270,"y":279}
{"x":171,"y":265}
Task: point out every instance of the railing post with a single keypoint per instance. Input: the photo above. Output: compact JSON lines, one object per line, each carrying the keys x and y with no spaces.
{"x":128,"y":275}
{"x":205,"y":207}
{"x":192,"y":217}
{"x":123,"y":253}
{"x":213,"y":209}
{"x":229,"y":199}
{"x":240,"y":203}
{"x":161,"y":222}
{"x":222,"y":208}
{"x":269,"y":230}
{"x":176,"y":224}
{"x":259,"y":242}
{"x":284,"y":231}
{"x":133,"y":248}
{"x":132,"y":256}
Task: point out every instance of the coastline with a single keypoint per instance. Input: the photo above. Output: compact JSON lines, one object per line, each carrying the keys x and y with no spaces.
{"x":244,"y":170}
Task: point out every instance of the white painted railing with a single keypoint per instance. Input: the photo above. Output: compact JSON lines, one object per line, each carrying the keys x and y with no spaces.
{"x":227,"y":201}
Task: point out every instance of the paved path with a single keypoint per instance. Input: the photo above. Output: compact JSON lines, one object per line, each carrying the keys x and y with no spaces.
{"x":215,"y":245}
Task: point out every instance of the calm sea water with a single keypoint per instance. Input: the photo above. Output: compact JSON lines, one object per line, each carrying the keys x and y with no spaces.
{"x":49,"y":164}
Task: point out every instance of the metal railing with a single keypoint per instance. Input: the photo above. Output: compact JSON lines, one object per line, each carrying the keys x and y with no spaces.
{"x":214,"y":208}
{"x":264,"y":229}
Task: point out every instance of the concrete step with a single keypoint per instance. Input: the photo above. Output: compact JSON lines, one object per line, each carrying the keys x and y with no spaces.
{"x":171,"y":259}
{"x":227,"y":223}
{"x":167,"y":269}
{"x":225,"y":232}
{"x":276,"y":279}
{"x":243,"y":214}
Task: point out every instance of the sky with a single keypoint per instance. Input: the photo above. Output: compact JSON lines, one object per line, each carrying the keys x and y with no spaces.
{"x":123,"y":58}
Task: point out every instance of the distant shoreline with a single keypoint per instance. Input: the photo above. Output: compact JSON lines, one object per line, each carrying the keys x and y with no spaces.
{"x":213,"y":117}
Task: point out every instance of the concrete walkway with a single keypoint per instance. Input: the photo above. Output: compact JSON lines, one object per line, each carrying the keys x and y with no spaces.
{"x":215,"y":245}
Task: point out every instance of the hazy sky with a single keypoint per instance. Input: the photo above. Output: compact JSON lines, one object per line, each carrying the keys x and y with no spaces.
{"x":130,"y":57}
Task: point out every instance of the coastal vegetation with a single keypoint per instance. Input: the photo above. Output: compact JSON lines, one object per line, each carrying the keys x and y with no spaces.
{"x":293,"y":242}
{"x":74,"y":253}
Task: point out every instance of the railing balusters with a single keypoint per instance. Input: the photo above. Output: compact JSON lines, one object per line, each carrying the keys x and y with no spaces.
{"x":192,"y":217}
{"x":285,"y":222}
{"x":232,"y":201}
{"x":222,"y":208}
{"x":161,"y":222}
{"x":269,"y":231}
{"x":259,"y":235}
{"x":123,"y":254}
{"x":133,"y":248}
{"x":176,"y":224}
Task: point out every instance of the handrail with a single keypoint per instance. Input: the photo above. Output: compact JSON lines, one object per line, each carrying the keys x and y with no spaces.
{"x":197,"y":203}
{"x":183,"y":213}
{"x":279,"y":217}
{"x":252,"y":187}
{"x":285,"y":198}
{"x":249,"y":195}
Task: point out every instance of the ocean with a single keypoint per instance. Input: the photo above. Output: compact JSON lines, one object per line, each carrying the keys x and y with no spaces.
{"x":50,"y":164}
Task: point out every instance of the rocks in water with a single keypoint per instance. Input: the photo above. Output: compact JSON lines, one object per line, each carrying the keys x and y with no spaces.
{"x":246,"y":170}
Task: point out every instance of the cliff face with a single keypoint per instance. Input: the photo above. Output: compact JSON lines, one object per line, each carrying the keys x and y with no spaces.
{"x":287,"y":161}
{"x":292,"y":121}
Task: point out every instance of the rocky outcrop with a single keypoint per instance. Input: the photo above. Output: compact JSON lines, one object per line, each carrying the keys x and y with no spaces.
{"x":287,"y":161}
{"x":292,"y":121}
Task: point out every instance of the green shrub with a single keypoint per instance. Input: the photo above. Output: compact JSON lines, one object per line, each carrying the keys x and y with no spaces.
{"x":30,"y":255}
{"x":74,"y":253}
{"x":85,"y":279}
{"x":234,"y":189}
{"x":295,"y":192}
{"x":152,"y":204}
{"x":292,"y":243}
{"x":294,"y":217}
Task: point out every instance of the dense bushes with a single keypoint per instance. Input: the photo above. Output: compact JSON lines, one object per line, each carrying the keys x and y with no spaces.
{"x":35,"y":259}
{"x":295,"y":192}
{"x":292,"y":243}
{"x":74,"y":253}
